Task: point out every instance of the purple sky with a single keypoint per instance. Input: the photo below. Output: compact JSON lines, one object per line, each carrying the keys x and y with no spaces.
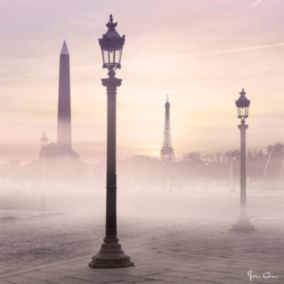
{"x":200,"y":52}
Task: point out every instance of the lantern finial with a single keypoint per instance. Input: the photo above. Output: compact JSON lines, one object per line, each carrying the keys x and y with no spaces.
{"x":111,"y":25}
{"x":242,"y":93}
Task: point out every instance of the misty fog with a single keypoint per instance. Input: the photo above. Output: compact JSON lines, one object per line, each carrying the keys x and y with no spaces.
{"x":53,"y":210}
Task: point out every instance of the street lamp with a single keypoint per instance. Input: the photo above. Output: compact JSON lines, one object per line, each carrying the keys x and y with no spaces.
{"x":242,"y":104}
{"x":111,"y":255}
{"x":44,"y":141}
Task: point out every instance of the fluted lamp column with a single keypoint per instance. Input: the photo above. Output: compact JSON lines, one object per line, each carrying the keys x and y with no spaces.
{"x":243,"y":223}
{"x":111,"y":254}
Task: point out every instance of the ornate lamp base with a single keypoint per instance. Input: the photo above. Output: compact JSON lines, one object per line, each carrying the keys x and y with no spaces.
{"x":110,"y":256}
{"x":243,"y":225}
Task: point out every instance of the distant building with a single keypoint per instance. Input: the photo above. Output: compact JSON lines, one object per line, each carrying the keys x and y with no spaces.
{"x":167,"y":151}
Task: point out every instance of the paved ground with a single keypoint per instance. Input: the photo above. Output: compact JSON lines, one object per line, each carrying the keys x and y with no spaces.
{"x":193,"y":251}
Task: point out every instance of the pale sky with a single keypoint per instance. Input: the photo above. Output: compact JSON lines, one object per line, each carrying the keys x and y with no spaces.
{"x":200,"y":52}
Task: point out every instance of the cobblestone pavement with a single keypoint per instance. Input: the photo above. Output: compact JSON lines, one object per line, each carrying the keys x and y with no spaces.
{"x":196,"y":251}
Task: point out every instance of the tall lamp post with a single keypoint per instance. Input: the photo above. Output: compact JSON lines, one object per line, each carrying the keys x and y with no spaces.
{"x":111,"y":255}
{"x":44,"y":141}
{"x":242,"y":104}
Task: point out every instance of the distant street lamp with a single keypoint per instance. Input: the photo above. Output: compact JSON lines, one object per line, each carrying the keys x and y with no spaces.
{"x":44,"y":141}
{"x":243,"y":223}
{"x":111,"y":255}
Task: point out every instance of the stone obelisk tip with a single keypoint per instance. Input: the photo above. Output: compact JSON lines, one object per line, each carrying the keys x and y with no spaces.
{"x":64,"y":50}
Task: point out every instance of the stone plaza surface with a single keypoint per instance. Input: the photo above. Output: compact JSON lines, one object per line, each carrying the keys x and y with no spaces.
{"x":198,"y":249}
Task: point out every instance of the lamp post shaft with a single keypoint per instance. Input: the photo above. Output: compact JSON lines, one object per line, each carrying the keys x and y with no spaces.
{"x":243,"y":181}
{"x":243,"y":224}
{"x":111,"y":220}
{"x":111,"y":254}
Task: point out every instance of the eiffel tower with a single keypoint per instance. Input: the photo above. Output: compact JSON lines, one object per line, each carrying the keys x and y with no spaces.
{"x":167,"y":151}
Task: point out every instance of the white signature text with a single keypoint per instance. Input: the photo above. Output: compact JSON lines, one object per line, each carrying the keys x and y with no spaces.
{"x":266,"y":275}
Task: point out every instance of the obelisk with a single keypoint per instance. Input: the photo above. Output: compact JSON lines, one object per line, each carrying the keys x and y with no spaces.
{"x":64,"y":101}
